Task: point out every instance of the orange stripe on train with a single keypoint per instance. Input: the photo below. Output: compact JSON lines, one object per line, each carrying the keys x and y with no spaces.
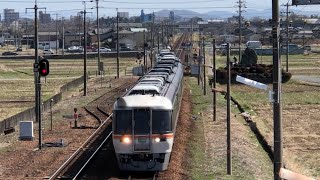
{"x":167,"y":136}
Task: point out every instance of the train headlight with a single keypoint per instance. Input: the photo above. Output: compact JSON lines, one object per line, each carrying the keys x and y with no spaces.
{"x":126,"y":140}
{"x":157,"y":139}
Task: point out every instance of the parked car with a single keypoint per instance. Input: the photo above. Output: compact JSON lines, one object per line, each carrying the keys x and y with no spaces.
{"x":104,"y":49}
{"x":91,"y":49}
{"x":307,"y":48}
{"x":125,"y":49}
{"x":9,"y":53}
{"x":75,"y":49}
{"x":47,"y":51}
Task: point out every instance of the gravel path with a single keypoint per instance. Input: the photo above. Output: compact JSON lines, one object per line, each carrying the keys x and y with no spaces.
{"x":309,"y":79}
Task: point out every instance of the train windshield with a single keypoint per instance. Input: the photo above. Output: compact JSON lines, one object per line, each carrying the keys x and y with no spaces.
{"x":161,"y":122}
{"x":141,"y":121}
{"x":123,"y":122}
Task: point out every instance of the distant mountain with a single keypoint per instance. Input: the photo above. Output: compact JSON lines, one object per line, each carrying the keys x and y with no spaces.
{"x":219,"y":14}
{"x":248,"y":14}
{"x":214,"y":14}
{"x":181,"y":13}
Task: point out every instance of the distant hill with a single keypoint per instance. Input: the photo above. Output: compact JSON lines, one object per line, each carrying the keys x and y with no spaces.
{"x":181,"y":13}
{"x":248,"y":14}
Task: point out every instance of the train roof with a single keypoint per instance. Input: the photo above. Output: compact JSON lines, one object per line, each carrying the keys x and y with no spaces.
{"x":145,"y":101}
{"x":146,"y":89}
{"x":164,"y":50}
{"x":167,"y":57}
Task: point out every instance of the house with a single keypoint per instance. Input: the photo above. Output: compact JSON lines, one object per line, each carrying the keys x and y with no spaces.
{"x":303,"y":34}
{"x":316,"y":32}
{"x":72,"y":39}
{"x":48,"y":40}
{"x":133,"y":38}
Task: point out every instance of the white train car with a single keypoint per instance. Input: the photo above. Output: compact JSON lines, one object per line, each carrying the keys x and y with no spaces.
{"x":145,"y":119}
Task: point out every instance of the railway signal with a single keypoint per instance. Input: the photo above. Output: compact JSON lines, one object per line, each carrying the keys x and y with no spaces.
{"x":43,"y":67}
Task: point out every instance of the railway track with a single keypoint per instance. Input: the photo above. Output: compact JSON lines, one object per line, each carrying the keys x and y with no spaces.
{"x":100,"y":109}
{"x":143,"y":176}
{"x":77,"y":166}
{"x":73,"y":166}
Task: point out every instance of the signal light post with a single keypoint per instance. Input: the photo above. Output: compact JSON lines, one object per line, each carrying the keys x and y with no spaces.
{"x":37,"y":73}
{"x":43,"y":67}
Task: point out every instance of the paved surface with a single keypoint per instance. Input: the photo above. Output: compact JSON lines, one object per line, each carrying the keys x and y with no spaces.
{"x":309,"y":79}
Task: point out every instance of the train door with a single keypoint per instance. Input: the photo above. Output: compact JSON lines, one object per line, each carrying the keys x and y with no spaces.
{"x":142,"y":130}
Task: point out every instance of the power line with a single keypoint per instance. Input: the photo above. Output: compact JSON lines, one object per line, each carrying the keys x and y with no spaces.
{"x":229,"y":7}
{"x":170,"y":2}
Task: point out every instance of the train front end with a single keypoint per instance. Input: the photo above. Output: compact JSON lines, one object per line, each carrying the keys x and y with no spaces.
{"x":143,"y":132}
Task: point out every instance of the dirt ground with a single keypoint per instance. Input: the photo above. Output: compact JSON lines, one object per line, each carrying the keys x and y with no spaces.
{"x":23,"y":159}
{"x":301,"y":128}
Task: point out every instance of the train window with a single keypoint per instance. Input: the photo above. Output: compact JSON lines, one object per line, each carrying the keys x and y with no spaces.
{"x":141,"y":121}
{"x":161,"y":121}
{"x":123,"y":122}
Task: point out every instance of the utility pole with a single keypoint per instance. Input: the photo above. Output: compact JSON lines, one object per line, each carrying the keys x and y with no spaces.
{"x":84,"y":12}
{"x":304,"y":31}
{"x":62,"y":36}
{"x":162,"y":35}
{"x":214,"y":80}
{"x":200,"y":59}
{"x":144,"y":52}
{"x":192,"y":32}
{"x":229,"y":153}
{"x":152,"y":39}
{"x":158,"y":39}
{"x":98,"y":36}
{"x":37,"y":75}
{"x":277,"y":122}
{"x":56,"y":32}
{"x":118,"y":54}
{"x":204,"y":68}
{"x":241,"y":5}
{"x":287,"y":40}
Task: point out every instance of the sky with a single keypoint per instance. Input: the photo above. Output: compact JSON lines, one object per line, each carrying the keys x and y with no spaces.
{"x":108,"y":7}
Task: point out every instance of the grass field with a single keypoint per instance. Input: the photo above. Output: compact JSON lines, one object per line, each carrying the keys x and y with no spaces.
{"x":300,"y":116}
{"x":17,"y":79}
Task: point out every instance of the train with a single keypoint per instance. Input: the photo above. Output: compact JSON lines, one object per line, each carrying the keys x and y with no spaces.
{"x":145,"y":117}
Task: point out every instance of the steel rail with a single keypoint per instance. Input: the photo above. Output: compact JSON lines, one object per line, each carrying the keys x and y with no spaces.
{"x":72,"y":157}
{"x":95,"y":152}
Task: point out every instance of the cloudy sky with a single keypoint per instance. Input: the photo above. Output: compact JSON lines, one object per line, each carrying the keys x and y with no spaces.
{"x":108,"y":7}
